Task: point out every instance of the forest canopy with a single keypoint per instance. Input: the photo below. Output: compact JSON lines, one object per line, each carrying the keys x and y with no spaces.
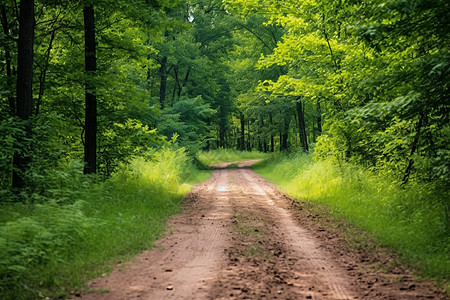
{"x":100,"y":81}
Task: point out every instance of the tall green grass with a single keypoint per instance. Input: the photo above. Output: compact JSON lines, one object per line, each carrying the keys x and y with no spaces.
{"x":49,"y":248}
{"x":409,"y":219}
{"x":207,"y":158}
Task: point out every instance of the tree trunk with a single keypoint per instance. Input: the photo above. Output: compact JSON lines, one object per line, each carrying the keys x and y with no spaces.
{"x":249,"y":146}
{"x":272,"y":139}
{"x":242,"y":148}
{"x":163,"y":84}
{"x":185,"y":80}
{"x":44,"y":73}
{"x":9,"y":78}
{"x":301,"y":125}
{"x":319,"y":118}
{"x":414,"y":147}
{"x":90,"y":145}
{"x":284,"y":135}
{"x":221,"y":137}
{"x":24,"y":104}
{"x":263,"y":137}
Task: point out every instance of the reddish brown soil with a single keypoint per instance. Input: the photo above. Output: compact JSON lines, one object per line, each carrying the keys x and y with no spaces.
{"x":239,"y":237}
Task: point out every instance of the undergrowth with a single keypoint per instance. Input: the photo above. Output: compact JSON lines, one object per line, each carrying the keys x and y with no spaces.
{"x":73,"y":233}
{"x":207,"y":158}
{"x":412,"y":220}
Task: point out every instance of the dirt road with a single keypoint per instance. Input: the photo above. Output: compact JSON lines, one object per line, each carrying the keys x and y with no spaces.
{"x":239,"y":237}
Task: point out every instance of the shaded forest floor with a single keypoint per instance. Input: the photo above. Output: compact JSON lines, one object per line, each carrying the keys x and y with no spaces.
{"x":239,"y":237}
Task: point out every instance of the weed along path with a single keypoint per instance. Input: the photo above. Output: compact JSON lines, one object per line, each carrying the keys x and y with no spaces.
{"x":239,"y":237}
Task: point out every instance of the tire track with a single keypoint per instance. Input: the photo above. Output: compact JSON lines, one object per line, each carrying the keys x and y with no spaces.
{"x":239,"y":238}
{"x":188,"y":258}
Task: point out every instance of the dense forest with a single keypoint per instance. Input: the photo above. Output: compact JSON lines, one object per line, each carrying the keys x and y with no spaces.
{"x":105,"y":81}
{"x":92,"y":89}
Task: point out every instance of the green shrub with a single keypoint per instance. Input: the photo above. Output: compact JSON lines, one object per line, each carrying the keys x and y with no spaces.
{"x":80,"y":228}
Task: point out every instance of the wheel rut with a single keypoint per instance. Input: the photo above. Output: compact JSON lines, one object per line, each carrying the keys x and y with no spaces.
{"x":239,"y":237}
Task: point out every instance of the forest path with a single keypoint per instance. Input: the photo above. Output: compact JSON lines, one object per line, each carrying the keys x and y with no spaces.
{"x":239,"y":237}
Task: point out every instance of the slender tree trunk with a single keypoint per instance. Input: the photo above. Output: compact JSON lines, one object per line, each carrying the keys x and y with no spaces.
{"x":284,"y":135}
{"x":272,"y":139}
{"x":9,"y":78}
{"x":185,"y":80}
{"x":301,"y":125}
{"x":249,"y":146}
{"x":44,"y":73}
{"x":176,"y":85}
{"x":163,"y":84}
{"x":24,"y":104}
{"x":319,"y":118}
{"x":287,"y":121}
{"x":414,"y":147}
{"x":264,"y":136}
{"x":333,"y":58}
{"x":90,"y":145}
{"x":242,"y":148}
{"x":281,"y":141}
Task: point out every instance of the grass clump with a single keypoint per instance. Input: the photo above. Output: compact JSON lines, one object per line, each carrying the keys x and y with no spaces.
{"x":49,"y":248}
{"x":411,"y":219}
{"x":207,"y":158}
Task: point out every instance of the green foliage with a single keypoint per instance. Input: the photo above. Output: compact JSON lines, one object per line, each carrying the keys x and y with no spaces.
{"x":188,"y":119}
{"x":380,"y":71}
{"x":411,"y":220}
{"x":207,"y":158}
{"x":124,"y":141}
{"x":43,"y":240}
{"x":82,"y":226}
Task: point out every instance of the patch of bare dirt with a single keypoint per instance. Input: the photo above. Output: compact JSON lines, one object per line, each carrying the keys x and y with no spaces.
{"x":239,"y":237}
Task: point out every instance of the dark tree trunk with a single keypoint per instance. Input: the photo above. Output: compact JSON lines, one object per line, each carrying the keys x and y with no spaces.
{"x":284,"y":135}
{"x":249,"y":146}
{"x":44,"y":73}
{"x":242,"y":142}
{"x":90,"y":145}
{"x":272,"y":139}
{"x":319,"y":120}
{"x":182,"y":85}
{"x":414,"y":147}
{"x":284,"y":141}
{"x":301,"y":125}
{"x":263,"y":137}
{"x":222,"y":137}
{"x":163,"y":84}
{"x":24,"y":105}
{"x":9,"y":78}
{"x":176,"y":86}
{"x":272,"y":144}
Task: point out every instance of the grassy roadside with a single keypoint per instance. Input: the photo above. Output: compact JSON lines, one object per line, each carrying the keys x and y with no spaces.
{"x":81,"y":229}
{"x":207,"y":158}
{"x":410,"y":220}
{"x":78,"y":229}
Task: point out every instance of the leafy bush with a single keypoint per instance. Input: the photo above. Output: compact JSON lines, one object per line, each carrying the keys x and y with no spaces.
{"x":31,"y":244}
{"x":188,"y":119}
{"x":81,"y":227}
